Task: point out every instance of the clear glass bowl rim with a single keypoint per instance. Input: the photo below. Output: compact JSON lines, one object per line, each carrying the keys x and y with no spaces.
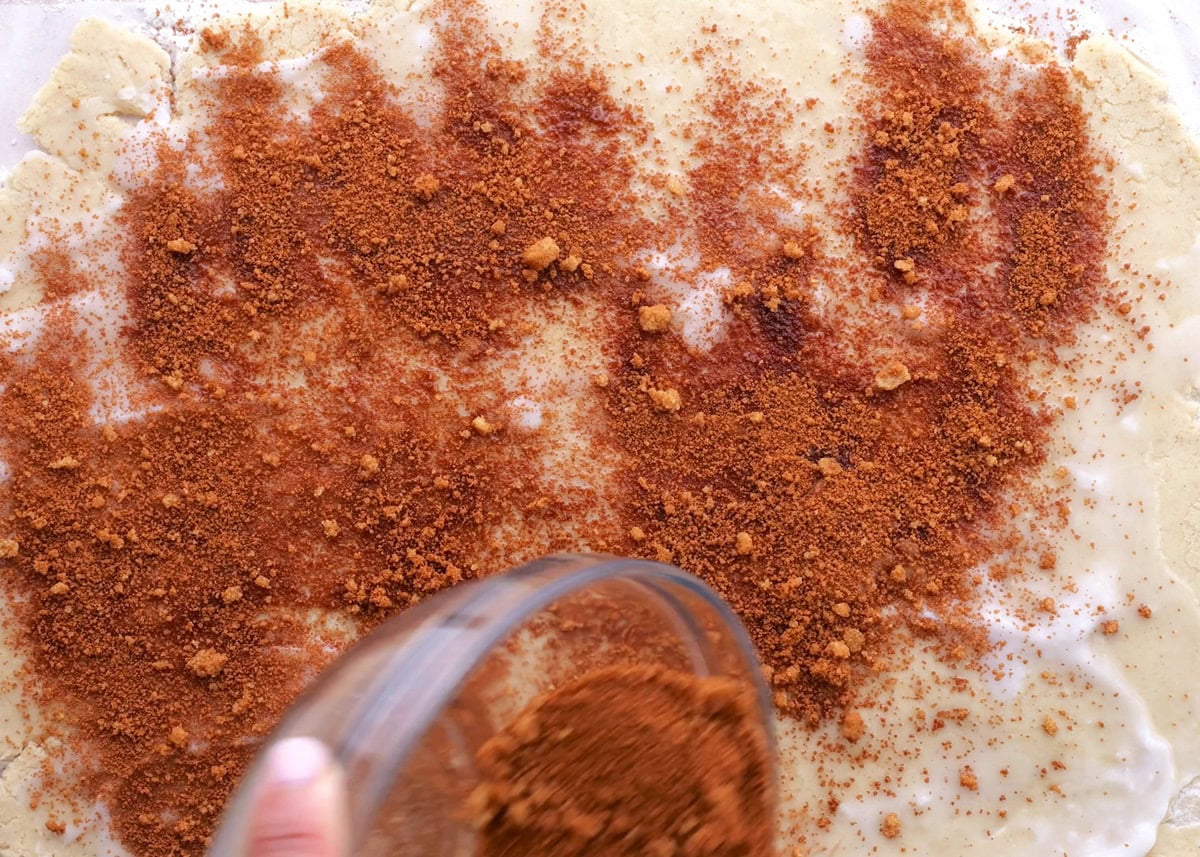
{"x":428,"y":652}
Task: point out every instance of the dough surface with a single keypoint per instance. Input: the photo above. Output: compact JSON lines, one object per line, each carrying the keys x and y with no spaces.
{"x":1135,"y":525}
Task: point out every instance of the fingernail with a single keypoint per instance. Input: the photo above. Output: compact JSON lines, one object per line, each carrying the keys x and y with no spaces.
{"x":296,"y":761}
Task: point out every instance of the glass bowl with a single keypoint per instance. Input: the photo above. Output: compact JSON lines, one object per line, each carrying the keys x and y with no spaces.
{"x":406,"y":709}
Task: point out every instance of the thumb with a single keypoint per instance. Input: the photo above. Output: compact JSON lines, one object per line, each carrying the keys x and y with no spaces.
{"x":300,"y":806}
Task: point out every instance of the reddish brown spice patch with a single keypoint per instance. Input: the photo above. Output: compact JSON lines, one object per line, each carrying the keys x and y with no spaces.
{"x":890,"y":826}
{"x":630,"y":760}
{"x":925,"y":141}
{"x":1055,"y":217}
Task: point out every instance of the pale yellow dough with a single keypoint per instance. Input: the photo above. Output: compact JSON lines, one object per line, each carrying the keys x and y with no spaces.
{"x":1132,"y":118}
{"x":115,"y":85}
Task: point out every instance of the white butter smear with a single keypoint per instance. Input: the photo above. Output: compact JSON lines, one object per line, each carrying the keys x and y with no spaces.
{"x":697,"y":297}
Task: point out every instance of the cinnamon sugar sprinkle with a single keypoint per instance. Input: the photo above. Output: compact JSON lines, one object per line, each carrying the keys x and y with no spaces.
{"x":323,"y":430}
{"x":580,"y":770}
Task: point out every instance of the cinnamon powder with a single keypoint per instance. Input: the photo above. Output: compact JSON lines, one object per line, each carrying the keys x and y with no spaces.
{"x":629,"y":760}
{"x":320,"y":434}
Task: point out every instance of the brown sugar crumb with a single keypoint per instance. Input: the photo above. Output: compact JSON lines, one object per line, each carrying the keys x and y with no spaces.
{"x":214,"y":40}
{"x":1004,"y":183}
{"x":637,"y":534}
{"x":654,"y":319}
{"x":482,"y":427}
{"x":853,"y":726}
{"x":207,"y":663}
{"x":425,"y":186}
{"x":1145,"y":612}
{"x":967,"y":779}
{"x":539,"y":255}
{"x":892,"y":376}
{"x":890,"y":826}
{"x":331,"y":528}
{"x":9,"y":548}
{"x":178,"y":736}
{"x":232,"y":595}
{"x":854,"y":640}
{"x":368,"y":465}
{"x":667,"y":400}
{"x":910,"y":311}
{"x":1050,"y":725}
{"x":829,"y":466}
{"x":181,"y":246}
{"x":60,"y":588}
{"x":794,"y":250}
{"x":67,"y":462}
{"x":393,"y":285}
{"x":262,"y":582}
{"x":1110,"y":627}
{"x":744,"y":544}
{"x":544,"y":791}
